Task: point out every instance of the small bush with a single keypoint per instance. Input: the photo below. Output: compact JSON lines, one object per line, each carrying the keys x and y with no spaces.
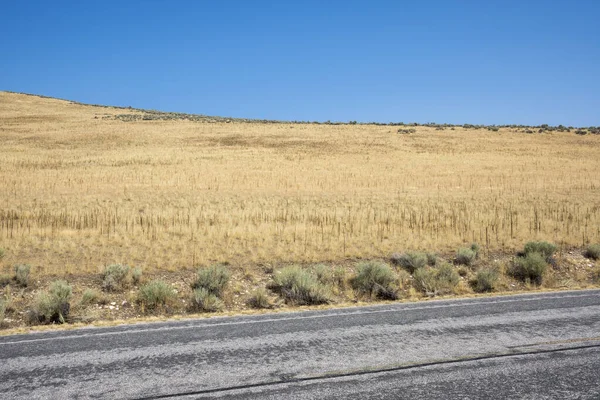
{"x":90,"y":296}
{"x":136,"y":275}
{"x":204,"y":300}
{"x":476,"y":249}
{"x":214,"y":279}
{"x":376,"y":280}
{"x":52,"y":306}
{"x":5,"y":280}
{"x":259,"y":299}
{"x":330,"y":276}
{"x":465,"y":256}
{"x":298,"y":286}
{"x":546,"y":249}
{"x":154,"y":294}
{"x":2,"y":311}
{"x":410,"y":261}
{"x":115,"y":277}
{"x":531,"y":267}
{"x":592,"y":251}
{"x":22,"y":274}
{"x":485,"y":280}
{"x":431,"y":259}
{"x":434,"y":281}
{"x":2,"y":253}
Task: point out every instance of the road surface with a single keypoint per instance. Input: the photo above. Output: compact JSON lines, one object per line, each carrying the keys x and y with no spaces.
{"x":538,"y":346}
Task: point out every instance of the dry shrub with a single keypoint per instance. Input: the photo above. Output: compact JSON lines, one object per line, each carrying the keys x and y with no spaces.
{"x":53,"y":305}
{"x":204,"y":300}
{"x":115,"y":277}
{"x":299,"y":286}
{"x":214,"y":279}
{"x":436,"y":281}
{"x":376,"y":279}
{"x":154,"y":294}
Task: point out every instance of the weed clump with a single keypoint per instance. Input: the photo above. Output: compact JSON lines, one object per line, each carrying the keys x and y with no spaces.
{"x":214,"y":279}
{"x":154,"y":294}
{"x":5,"y":280}
{"x":592,"y":252}
{"x":259,"y":299}
{"x":466,"y":256}
{"x":298,"y":286}
{"x":435,"y":281}
{"x":22,"y":272}
{"x":410,"y":261}
{"x":52,"y":306}
{"x":485,"y":280}
{"x":376,"y":280}
{"x":115,"y":277}
{"x":2,"y":311}
{"x":530,"y":268}
{"x":90,"y":296}
{"x":2,"y":253}
{"x":136,"y":275}
{"x":431,"y":259}
{"x":204,"y":300}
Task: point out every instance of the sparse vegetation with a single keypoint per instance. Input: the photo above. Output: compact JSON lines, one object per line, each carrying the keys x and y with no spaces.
{"x":155,"y":294}
{"x":299,"y":286}
{"x":22,"y":272}
{"x":2,"y":253}
{"x":204,"y":300}
{"x":53,"y":305}
{"x":410,"y":261}
{"x":465,"y":256}
{"x":545,"y":249}
{"x":485,"y":280}
{"x":90,"y":296}
{"x":115,"y":277}
{"x":530,"y":267}
{"x":136,"y":275}
{"x":436,"y":281}
{"x":214,"y":279}
{"x":431,"y":259}
{"x":5,"y":280}
{"x":259,"y":299}
{"x":376,"y":280}
{"x":592,"y":251}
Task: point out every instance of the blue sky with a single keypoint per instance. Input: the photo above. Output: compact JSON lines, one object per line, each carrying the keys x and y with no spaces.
{"x":478,"y":62}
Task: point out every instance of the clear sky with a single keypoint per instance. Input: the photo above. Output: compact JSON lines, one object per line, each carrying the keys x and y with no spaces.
{"x":479,"y":62}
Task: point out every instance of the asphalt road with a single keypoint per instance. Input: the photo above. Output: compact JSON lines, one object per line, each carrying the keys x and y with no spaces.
{"x":538,"y":346}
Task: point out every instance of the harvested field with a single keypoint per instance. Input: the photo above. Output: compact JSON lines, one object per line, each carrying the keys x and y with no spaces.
{"x":85,"y":186}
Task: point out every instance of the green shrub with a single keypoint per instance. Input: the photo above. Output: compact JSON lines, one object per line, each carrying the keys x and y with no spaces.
{"x":476,"y":249}
{"x":544,"y":248}
{"x":592,"y":251}
{"x":90,"y":296}
{"x":214,"y":279}
{"x":2,"y":253}
{"x":52,"y":306}
{"x":376,"y":280}
{"x":410,"y":261}
{"x":465,"y":256}
{"x":431,"y":259}
{"x":22,"y":274}
{"x":2,"y":310}
{"x":434,"y":281}
{"x":328,"y":276}
{"x":298,"y":286}
{"x":115,"y":277}
{"x":136,"y":275}
{"x":204,"y":300}
{"x":531,"y":268}
{"x":259,"y":299}
{"x":485,"y":280}
{"x":4,"y":280}
{"x":154,"y":294}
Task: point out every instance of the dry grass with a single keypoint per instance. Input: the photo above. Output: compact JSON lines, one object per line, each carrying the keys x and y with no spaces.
{"x":79,"y":191}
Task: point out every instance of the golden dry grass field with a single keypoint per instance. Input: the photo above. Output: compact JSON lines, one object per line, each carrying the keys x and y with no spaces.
{"x":80,"y":189}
